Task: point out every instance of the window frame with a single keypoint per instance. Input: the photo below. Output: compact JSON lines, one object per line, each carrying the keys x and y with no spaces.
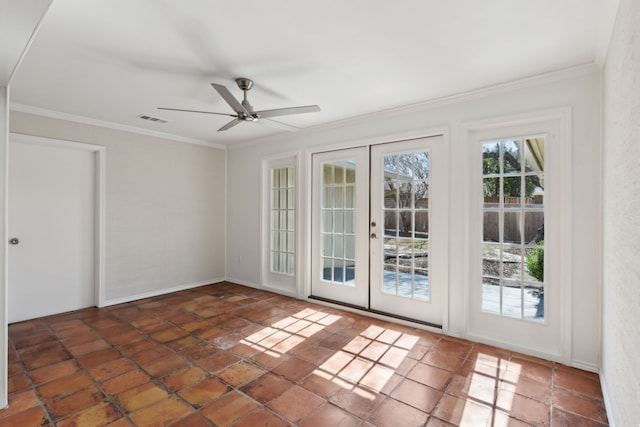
{"x":278,"y":281}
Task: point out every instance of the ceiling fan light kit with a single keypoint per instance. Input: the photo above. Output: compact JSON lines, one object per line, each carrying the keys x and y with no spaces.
{"x":244,"y":111}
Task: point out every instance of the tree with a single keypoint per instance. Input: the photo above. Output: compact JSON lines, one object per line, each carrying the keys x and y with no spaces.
{"x":511,"y":185}
{"x":406,"y":180}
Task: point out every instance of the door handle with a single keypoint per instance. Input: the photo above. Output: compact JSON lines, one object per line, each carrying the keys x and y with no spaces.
{"x":14,"y":241}
{"x":374,"y":236}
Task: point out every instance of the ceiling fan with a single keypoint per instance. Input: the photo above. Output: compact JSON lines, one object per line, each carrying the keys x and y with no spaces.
{"x":244,"y":110}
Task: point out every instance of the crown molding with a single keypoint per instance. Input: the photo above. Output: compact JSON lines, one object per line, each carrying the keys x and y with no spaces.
{"x":110,"y":125}
{"x":483,"y":92}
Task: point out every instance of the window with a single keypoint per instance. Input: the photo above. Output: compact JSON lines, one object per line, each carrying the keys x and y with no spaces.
{"x":513,"y":240}
{"x":282,"y":213}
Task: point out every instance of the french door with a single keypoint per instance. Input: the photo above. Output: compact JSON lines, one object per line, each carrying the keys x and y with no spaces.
{"x":379,"y":228}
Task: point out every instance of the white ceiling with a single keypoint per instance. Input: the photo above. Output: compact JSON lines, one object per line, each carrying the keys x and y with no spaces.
{"x":112,"y":60}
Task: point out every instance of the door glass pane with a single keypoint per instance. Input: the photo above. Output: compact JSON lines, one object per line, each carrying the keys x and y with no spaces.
{"x":282,"y":221}
{"x":338,"y":222}
{"x":512,"y":273}
{"x":406,"y":225}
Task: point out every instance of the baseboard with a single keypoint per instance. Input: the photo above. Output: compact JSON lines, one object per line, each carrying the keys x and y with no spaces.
{"x":243,"y":282}
{"x":607,"y":399}
{"x":159,"y":292}
{"x":555,"y":357}
{"x":585,"y":366}
{"x":275,"y":290}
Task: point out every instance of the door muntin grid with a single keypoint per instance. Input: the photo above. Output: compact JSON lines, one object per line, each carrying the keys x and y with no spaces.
{"x":406,"y":216}
{"x":338,"y":223}
{"x":512,"y":243}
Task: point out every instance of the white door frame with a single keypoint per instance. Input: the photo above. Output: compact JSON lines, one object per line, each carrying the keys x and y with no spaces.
{"x":99,"y":202}
{"x":304,"y":289}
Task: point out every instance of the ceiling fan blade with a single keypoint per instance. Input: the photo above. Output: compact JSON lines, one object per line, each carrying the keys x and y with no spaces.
{"x":264,"y":114}
{"x":277,"y":125}
{"x":233,"y":103}
{"x":196,"y":111}
{"x":229,"y":125}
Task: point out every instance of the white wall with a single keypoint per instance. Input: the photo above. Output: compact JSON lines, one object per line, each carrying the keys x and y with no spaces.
{"x":165,"y":207}
{"x":621,"y":214}
{"x":4,"y":144}
{"x":578,"y":89}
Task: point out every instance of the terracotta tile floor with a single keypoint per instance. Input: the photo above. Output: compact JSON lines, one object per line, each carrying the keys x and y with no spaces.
{"x":230,"y":355}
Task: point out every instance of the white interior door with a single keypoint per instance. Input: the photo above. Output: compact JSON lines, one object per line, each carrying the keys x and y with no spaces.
{"x":372,"y":243}
{"x":51,"y":266}
{"x":409,"y":229}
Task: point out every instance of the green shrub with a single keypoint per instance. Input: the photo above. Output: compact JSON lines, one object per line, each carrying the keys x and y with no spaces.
{"x":535,"y":262}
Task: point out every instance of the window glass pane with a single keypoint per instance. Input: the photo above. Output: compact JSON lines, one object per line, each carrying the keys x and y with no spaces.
{"x":511,"y":192}
{"x":512,"y":242}
{"x":350,"y":174}
{"x":282,"y":220}
{"x":421,"y":194}
{"x":338,"y":247}
{"x":511,"y":156}
{"x":290,"y":199}
{"x":491,"y":227}
{"x":511,"y":228}
{"x":421,"y":285}
{"x":290,"y":242}
{"x":491,"y":189}
{"x":350,"y":247}
{"x":534,"y":227}
{"x":492,"y":261}
{"x":490,"y":295}
{"x":534,"y":154}
{"x":327,"y":197}
{"x":338,"y":221}
{"x":390,"y":223}
{"x":327,"y":245}
{"x":291,"y":220}
{"x":327,"y":174}
{"x":349,"y":197}
{"x":535,"y":191}
{"x":511,"y":299}
{"x":421,"y":224}
{"x":490,"y":158}
{"x":534,"y":302}
{"x":534,"y":265}
{"x":349,"y":222}
{"x":338,"y":201}
{"x":327,"y":269}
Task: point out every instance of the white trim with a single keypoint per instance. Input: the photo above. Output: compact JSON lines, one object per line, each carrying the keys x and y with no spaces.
{"x":4,"y":180}
{"x":604,"y":30}
{"x":111,"y":125}
{"x":28,"y":45}
{"x":243,"y":283}
{"x":159,"y":292}
{"x":608,"y":407}
{"x":556,"y":357}
{"x":585,"y":366}
{"x":373,"y":315}
{"x":99,"y":201}
{"x":267,"y":163}
{"x":519,"y":84}
{"x":563,"y":115}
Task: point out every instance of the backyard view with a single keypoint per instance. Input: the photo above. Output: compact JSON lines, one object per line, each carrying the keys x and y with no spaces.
{"x":513,"y":228}
{"x":406,"y":225}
